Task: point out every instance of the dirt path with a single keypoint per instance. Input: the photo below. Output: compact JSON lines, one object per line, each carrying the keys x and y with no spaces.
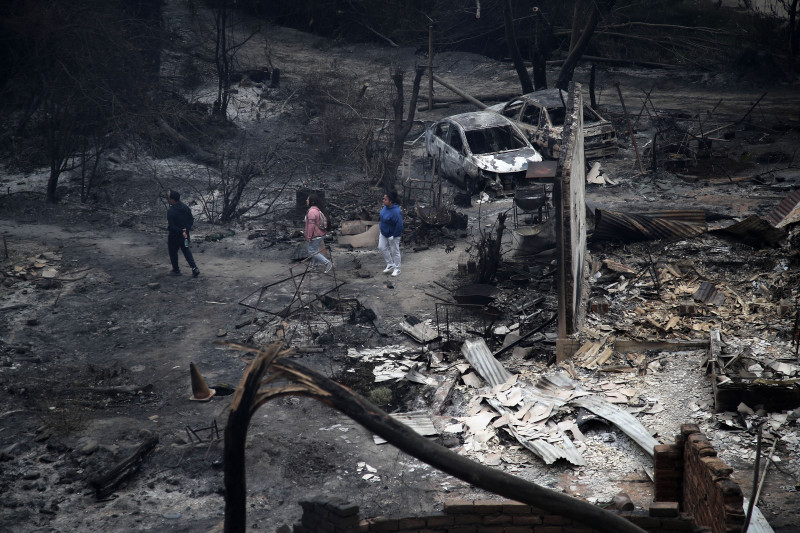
{"x":114,"y":327}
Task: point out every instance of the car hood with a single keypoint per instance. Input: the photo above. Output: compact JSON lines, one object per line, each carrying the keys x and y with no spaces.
{"x":503,"y":162}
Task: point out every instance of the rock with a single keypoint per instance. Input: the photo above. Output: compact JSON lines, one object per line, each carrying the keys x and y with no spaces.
{"x":154,"y":285}
{"x":88,"y":447}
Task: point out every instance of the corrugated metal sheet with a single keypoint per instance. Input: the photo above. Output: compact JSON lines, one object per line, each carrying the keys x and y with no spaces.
{"x":758,"y":524}
{"x":622,"y":419}
{"x":708,"y":294}
{"x":787,"y":212}
{"x":478,"y":355}
{"x":755,"y":231}
{"x":419,"y":421}
{"x":548,"y":452}
{"x":629,"y":227}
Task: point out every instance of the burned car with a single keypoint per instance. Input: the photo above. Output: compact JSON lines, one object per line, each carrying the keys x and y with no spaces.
{"x":479,"y":150}
{"x":541,"y":116}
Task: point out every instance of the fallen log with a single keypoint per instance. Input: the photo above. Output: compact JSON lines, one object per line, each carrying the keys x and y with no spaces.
{"x":191,"y":148}
{"x":271,"y":369}
{"x":107,"y":484}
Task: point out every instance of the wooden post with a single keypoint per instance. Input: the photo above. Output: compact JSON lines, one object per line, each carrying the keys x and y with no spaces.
{"x":630,"y":129}
{"x":459,"y":92}
{"x":430,"y":67}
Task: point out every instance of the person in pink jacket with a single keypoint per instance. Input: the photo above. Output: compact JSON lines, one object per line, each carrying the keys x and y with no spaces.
{"x":316,"y":228}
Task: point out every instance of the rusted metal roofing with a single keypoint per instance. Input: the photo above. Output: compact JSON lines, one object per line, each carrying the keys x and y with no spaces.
{"x":755,"y":231}
{"x":629,"y":227}
{"x":787,"y":212}
{"x":478,"y":355}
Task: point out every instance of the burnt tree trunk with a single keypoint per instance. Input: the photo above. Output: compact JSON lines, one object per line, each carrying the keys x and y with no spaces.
{"x":235,"y":480}
{"x":542,"y":50}
{"x":794,"y":29}
{"x":568,"y":68}
{"x":513,"y":49}
{"x":401,"y":127}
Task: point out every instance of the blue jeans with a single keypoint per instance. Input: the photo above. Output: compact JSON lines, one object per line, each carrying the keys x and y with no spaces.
{"x":314,"y":246}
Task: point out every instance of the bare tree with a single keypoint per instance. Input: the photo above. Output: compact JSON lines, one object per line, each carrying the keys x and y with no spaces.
{"x":225,"y":49}
{"x":579,"y":47}
{"x":401,"y":127}
{"x":245,"y":181}
{"x":513,"y":49}
{"x":542,"y":49}
{"x":82,"y":63}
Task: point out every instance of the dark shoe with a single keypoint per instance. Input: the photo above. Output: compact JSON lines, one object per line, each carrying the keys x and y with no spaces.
{"x":195,"y":272}
{"x":175,"y":272}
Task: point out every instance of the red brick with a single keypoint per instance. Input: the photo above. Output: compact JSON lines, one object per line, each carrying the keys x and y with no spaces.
{"x":688,"y":429}
{"x":408,"y":523}
{"x":518,"y":529}
{"x":467,"y":519}
{"x":516,"y":508}
{"x":717,"y":467}
{"x":677,"y":524}
{"x":549,"y":529}
{"x":487,"y":506}
{"x":495,"y":519}
{"x":553,"y":519}
{"x":646,"y":522}
{"x":664,"y":509}
{"x":459,"y":506}
{"x":435,"y":521}
{"x":385,"y":524}
{"x":667,"y":451}
{"x":531,"y":519}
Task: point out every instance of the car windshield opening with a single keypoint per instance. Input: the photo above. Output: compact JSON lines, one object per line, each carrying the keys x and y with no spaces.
{"x":557,"y":116}
{"x":497,"y":139}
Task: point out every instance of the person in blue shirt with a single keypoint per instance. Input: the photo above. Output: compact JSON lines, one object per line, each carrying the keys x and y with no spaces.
{"x":391,"y":230}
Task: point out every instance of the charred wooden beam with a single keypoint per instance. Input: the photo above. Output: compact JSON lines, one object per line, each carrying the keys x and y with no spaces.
{"x":106,"y":484}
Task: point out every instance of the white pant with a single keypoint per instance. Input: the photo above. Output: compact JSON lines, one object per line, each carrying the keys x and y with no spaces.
{"x":390,"y":248}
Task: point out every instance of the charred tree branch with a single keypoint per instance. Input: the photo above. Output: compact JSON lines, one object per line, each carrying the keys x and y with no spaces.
{"x":269,"y":366}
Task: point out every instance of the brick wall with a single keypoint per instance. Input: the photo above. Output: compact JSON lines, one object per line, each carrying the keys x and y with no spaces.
{"x":477,"y":516}
{"x":690,"y":472}
{"x":692,"y":486}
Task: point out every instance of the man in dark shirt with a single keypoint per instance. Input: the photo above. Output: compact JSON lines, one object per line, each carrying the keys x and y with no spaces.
{"x":179,"y":224}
